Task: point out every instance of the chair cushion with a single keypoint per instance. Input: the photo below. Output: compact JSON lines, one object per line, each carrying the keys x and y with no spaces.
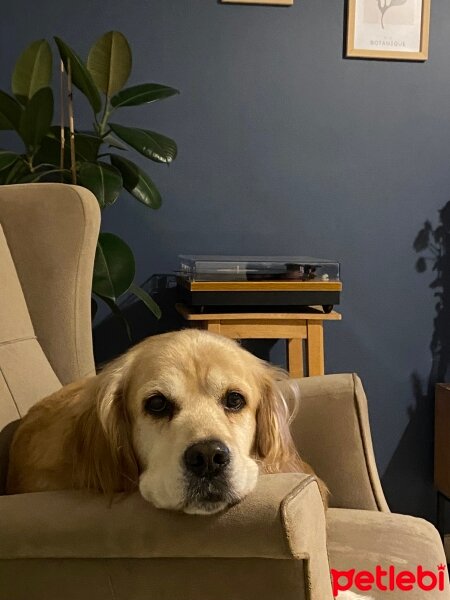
{"x":361,"y":540}
{"x":15,"y":322}
{"x":52,"y":232}
{"x":25,"y":373}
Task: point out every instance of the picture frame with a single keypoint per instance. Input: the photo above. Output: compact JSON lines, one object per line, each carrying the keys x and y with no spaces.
{"x":388,"y":29}
{"x":272,"y":2}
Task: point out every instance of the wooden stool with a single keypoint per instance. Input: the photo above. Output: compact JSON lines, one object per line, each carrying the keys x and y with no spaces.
{"x":293,"y":327}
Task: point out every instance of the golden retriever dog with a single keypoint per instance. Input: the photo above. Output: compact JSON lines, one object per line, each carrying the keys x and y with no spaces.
{"x":189,"y":418}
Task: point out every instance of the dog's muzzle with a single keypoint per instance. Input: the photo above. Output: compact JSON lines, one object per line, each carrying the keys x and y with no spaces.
{"x":207,"y":475}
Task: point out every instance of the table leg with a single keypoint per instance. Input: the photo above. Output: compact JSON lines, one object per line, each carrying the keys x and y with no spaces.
{"x":441,"y":499}
{"x":314,"y":342}
{"x":295,"y":357}
{"x":213,"y":326}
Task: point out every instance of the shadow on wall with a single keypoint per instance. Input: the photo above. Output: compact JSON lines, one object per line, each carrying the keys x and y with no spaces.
{"x":411,"y":466}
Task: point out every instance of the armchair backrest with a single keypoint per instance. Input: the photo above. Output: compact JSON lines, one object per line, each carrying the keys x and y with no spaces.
{"x":48,"y":235}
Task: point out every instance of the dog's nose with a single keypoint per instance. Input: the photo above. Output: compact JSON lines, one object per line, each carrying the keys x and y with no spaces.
{"x":207,"y":458}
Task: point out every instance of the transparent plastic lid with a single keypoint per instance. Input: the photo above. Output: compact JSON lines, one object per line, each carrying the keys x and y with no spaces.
{"x":235,"y":268}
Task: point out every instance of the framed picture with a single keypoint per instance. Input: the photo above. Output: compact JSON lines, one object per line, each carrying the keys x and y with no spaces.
{"x":392,"y":29}
{"x":273,"y":2}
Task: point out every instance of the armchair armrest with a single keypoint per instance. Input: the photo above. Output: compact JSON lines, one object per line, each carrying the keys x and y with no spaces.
{"x":281,"y":524}
{"x":332,"y":433}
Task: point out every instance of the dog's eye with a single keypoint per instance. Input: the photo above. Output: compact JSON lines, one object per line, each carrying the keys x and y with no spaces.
{"x":234,"y":401}
{"x":157,"y":405}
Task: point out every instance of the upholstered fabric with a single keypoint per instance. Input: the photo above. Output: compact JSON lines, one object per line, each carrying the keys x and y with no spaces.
{"x":89,"y":525}
{"x":361,"y":540}
{"x":40,"y":380}
{"x":154,"y":579}
{"x":332,"y":433}
{"x":282,"y":521}
{"x":51,"y":231}
{"x":20,"y":354}
{"x":19,"y":347}
{"x":48,"y":235}
{"x":15,"y":322}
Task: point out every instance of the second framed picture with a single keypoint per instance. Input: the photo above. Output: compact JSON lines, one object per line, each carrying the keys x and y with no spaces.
{"x":388,"y":29}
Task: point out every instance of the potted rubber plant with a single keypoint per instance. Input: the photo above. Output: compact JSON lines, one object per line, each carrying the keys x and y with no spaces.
{"x":97,"y":158}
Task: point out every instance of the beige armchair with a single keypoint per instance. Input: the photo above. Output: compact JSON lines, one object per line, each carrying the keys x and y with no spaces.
{"x":278,"y":544}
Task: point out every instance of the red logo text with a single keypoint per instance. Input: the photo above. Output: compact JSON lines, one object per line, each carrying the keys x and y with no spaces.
{"x":388,"y":579}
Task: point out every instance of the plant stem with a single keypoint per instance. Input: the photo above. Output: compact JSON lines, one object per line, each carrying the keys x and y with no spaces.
{"x":62,"y":116}
{"x":102,"y":128}
{"x":71,"y":125}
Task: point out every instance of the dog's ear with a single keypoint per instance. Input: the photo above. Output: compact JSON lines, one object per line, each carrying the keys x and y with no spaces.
{"x":274,"y":446}
{"x":104,"y":457}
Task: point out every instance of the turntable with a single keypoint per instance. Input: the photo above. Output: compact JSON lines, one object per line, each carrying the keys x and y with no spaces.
{"x":268,"y":282}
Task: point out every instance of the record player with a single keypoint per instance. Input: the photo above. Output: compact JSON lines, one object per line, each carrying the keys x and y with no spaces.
{"x":278,"y":282}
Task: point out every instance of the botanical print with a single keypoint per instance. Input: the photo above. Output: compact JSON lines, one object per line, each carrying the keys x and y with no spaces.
{"x":388,"y":25}
{"x":386,"y":13}
{"x":385,"y":5}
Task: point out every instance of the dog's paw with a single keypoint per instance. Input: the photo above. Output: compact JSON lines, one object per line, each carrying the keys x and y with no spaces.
{"x":352,"y":596}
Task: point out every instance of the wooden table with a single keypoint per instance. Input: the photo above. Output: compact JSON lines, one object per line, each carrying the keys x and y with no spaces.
{"x":296,"y":328}
{"x":442,"y":459}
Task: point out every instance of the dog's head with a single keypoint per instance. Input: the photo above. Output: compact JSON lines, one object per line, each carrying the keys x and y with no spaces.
{"x":191,"y":417}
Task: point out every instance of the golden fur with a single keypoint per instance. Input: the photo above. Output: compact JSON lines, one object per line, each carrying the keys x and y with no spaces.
{"x":93,"y":434}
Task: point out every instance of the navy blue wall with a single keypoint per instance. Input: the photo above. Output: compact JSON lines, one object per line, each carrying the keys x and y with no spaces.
{"x":287,"y":148}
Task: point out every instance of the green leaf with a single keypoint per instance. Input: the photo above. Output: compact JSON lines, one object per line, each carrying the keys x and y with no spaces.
{"x":3,"y":175}
{"x":94,"y":307}
{"x":4,"y":123}
{"x":42,"y":174}
{"x":37,"y":118}
{"x":49,"y":151}
{"x":142,"y":94}
{"x":146,"y":299}
{"x":81,"y":77}
{"x":109,"y":62}
{"x":114,"y":142}
{"x":115,"y":309}
{"x":114,"y":267}
{"x":137,"y":182}
{"x":10,"y":112}
{"x":15,"y":173}
{"x":86,"y":147}
{"x":7,"y":159}
{"x":104,"y":181}
{"x":153,"y":145}
{"x":33,"y":70}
